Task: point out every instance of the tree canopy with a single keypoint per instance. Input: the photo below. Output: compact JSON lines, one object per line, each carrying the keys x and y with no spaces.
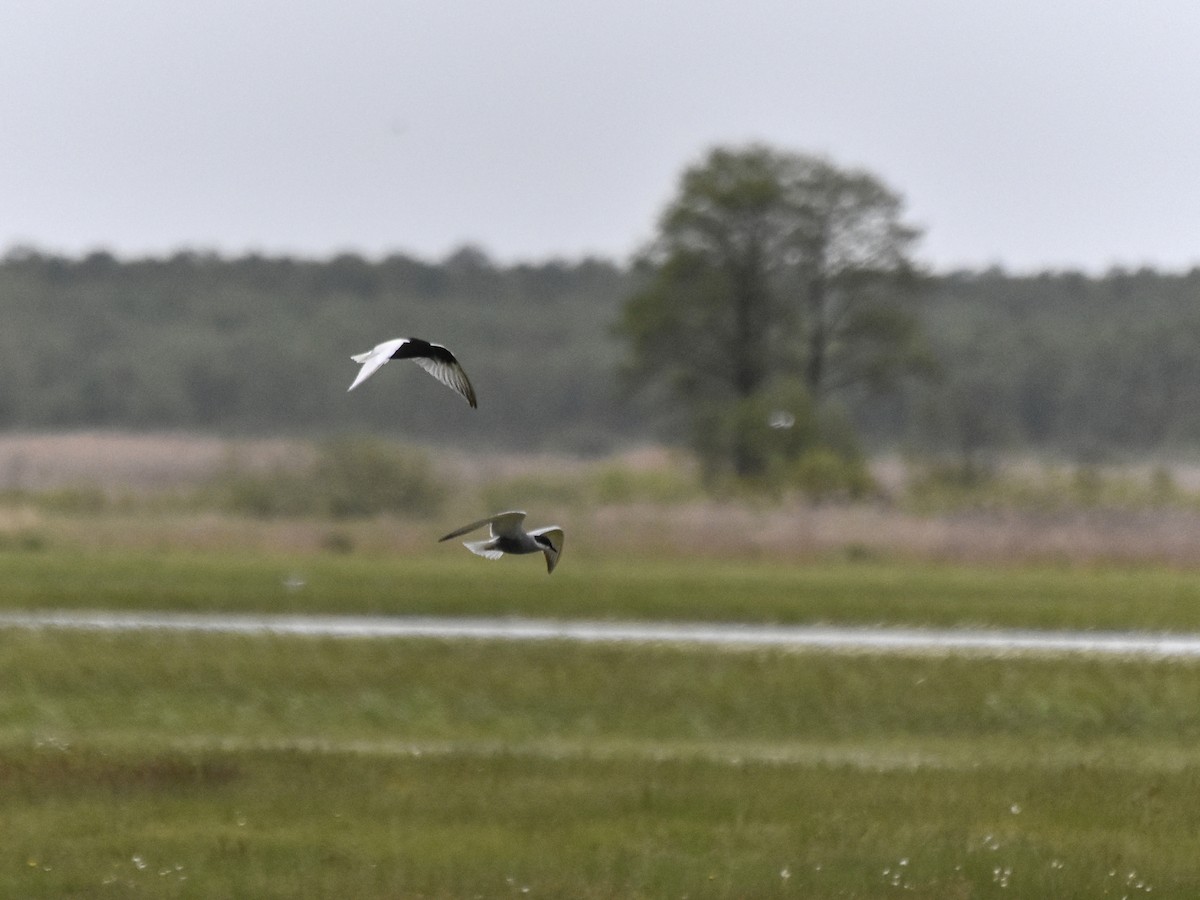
{"x":772,"y":274}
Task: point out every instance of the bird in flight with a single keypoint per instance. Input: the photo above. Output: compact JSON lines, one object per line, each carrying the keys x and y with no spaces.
{"x":433,"y":358}
{"x":508,"y":536}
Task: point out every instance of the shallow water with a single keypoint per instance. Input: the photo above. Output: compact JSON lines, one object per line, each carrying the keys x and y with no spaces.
{"x":987,"y":642}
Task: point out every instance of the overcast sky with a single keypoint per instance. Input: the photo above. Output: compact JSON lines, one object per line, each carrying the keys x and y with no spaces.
{"x":1027,"y":133}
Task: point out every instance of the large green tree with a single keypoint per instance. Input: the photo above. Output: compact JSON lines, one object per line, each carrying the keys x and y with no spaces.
{"x":773,"y":274}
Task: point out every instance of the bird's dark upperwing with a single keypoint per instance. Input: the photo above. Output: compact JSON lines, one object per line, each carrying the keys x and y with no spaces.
{"x":505,"y":524}
{"x":440,"y":363}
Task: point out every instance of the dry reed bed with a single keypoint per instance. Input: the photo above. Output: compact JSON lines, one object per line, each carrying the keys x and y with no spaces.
{"x":798,"y":531}
{"x":794,"y":530}
{"x":131,"y":462}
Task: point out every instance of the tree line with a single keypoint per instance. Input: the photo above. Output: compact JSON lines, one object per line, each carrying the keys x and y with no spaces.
{"x":780,"y":306}
{"x":262,"y":345}
{"x":1089,"y":367}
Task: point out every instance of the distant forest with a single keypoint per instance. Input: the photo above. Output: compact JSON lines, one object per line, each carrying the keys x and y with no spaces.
{"x":259,"y":345}
{"x":1087,"y":367}
{"x":1090,"y":367}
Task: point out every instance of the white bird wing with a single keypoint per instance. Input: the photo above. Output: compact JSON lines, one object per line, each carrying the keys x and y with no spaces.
{"x":449,"y":373}
{"x":555,"y":535}
{"x":508,"y":524}
{"x":481,"y":548}
{"x":505,"y":524}
{"x":374,"y":359}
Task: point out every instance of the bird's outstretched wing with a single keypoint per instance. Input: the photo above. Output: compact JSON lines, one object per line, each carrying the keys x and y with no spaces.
{"x":555,"y":536}
{"x":484,"y":549}
{"x":505,"y":524}
{"x":374,"y":358}
{"x":446,"y":369}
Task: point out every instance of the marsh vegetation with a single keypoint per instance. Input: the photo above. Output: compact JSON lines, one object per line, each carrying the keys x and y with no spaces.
{"x":222,"y":765}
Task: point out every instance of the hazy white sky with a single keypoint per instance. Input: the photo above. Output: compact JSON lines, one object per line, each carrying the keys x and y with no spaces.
{"x":1026,"y":133}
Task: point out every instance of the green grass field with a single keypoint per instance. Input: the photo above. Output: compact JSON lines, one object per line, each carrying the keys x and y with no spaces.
{"x":174,"y":765}
{"x":454,"y":583}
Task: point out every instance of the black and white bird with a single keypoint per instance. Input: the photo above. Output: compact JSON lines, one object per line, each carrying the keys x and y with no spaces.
{"x":508,"y":536}
{"x":433,"y":358}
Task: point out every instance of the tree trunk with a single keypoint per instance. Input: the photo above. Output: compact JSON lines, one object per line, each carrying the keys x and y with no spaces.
{"x":749,"y":365}
{"x":818,"y":339}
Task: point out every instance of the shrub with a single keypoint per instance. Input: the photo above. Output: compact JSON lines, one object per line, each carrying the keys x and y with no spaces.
{"x":751,"y":436}
{"x":86,"y":499}
{"x":620,"y":484}
{"x":351,"y":477}
{"x":365,"y":476}
{"x":543,"y":489}
{"x":822,"y":474}
{"x":22,"y":540}
{"x":276,"y":493}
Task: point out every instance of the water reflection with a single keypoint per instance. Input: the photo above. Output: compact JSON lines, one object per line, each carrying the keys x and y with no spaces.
{"x":836,"y":639}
